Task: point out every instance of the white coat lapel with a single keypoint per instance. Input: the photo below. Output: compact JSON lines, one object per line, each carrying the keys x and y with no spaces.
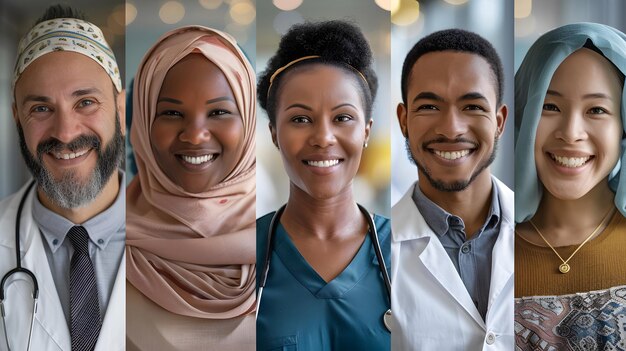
{"x":112,"y":334}
{"x":49,"y":311}
{"x":434,"y":256}
{"x":502,"y":254}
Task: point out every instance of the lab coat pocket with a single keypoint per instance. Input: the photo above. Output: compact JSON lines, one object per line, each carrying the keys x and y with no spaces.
{"x":283,"y":343}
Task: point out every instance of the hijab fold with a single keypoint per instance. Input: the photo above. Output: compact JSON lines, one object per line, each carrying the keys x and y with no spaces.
{"x":531,"y":84}
{"x":193,"y":254}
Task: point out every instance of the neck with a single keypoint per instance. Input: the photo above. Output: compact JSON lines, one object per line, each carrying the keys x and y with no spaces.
{"x":326,"y":218}
{"x":472,"y":204}
{"x":560,"y":220}
{"x":80,"y":215}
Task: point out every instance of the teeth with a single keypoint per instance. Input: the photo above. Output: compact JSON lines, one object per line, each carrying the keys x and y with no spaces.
{"x":196,"y":160}
{"x":324,"y":164}
{"x":70,"y":156}
{"x":451,"y":155}
{"x":570,"y":162}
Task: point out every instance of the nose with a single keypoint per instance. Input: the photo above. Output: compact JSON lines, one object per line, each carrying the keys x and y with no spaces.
{"x":451,"y":125}
{"x":66,"y":125}
{"x":322,"y":134}
{"x":195,"y":130}
{"x":571,"y":128}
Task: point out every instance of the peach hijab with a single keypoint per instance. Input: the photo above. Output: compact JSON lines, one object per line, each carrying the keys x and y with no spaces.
{"x":193,"y":254}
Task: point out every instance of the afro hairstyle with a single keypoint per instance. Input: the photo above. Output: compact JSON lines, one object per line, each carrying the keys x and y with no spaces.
{"x":338,"y":43}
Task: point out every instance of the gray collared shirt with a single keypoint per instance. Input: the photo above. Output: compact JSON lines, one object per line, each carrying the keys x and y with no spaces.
{"x":471,"y":258}
{"x":107,"y":234}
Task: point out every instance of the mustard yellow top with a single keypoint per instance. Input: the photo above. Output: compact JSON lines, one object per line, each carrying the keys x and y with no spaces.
{"x":599,"y":264}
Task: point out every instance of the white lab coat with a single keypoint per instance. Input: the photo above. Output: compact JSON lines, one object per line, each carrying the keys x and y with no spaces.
{"x":432,"y":309}
{"x":50,"y":330}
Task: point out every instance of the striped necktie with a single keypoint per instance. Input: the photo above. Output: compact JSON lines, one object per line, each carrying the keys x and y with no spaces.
{"x":85,"y":321}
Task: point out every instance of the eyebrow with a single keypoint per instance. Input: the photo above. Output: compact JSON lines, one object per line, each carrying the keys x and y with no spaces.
{"x":432,"y":96}
{"x":46,"y":99}
{"x":35,"y":98}
{"x":211,"y":101}
{"x":586,"y":96}
{"x":344,"y":104}
{"x":428,"y":96}
{"x":86,"y":91}
{"x":473,"y":96}
{"x":302,"y":106}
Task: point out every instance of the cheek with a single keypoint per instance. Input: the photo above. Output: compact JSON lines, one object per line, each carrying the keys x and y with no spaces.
{"x":229,"y":133}
{"x":162,"y":136}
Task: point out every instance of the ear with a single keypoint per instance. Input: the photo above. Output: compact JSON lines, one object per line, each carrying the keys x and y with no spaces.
{"x":368,"y":130}
{"x":120,"y":103}
{"x":273,"y":132}
{"x":501,"y":116}
{"x":15,"y":116}
{"x":401,"y":113}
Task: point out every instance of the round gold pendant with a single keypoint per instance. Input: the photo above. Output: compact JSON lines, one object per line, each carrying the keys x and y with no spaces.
{"x":564,"y":268}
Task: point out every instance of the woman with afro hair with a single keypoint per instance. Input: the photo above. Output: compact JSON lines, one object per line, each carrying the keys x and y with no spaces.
{"x":323,"y":289}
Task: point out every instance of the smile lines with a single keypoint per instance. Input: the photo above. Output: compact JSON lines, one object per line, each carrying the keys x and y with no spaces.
{"x":66,"y":156}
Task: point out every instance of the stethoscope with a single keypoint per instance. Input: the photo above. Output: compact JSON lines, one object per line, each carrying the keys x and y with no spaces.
{"x":373,"y":236}
{"x":19,"y":269}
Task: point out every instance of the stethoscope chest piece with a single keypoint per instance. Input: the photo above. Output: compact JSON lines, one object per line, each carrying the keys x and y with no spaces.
{"x":387,"y":319}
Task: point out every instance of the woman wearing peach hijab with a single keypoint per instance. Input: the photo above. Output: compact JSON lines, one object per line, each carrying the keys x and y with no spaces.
{"x":191,"y":208}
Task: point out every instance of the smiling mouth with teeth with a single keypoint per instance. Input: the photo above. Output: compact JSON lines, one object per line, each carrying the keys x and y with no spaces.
{"x":451,"y":155}
{"x":570,"y":162}
{"x":323,"y":164}
{"x":197,"y":160}
{"x":69,"y":156}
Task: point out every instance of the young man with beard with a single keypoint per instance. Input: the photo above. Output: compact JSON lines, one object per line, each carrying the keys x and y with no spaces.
{"x":68,"y":104}
{"x":452,"y":247}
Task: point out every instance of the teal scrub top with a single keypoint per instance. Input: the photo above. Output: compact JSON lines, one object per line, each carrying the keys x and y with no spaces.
{"x":300,"y":311}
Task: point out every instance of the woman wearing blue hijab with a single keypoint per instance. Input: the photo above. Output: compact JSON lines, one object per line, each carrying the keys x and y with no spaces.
{"x":570,"y":252}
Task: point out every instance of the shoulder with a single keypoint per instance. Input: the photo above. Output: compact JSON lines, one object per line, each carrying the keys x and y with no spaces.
{"x":263,"y":222}
{"x":8,"y":205}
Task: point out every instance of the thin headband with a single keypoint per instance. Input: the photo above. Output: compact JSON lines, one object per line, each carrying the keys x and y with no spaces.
{"x":67,"y":34}
{"x":281,"y":69}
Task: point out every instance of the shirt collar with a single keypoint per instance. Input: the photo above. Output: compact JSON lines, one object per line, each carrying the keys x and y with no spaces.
{"x":101,"y":228}
{"x":439,"y":219}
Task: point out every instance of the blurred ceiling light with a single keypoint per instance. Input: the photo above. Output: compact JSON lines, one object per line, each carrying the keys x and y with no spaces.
{"x":523,"y":8}
{"x":407,"y":12}
{"x":116,"y":21}
{"x":243,"y":12}
{"x":238,"y":32}
{"x":388,"y":5}
{"x":131,"y":13}
{"x":210,"y":4}
{"x":525,"y":26}
{"x":384,"y":4}
{"x":172,"y":12}
{"x":456,"y":2}
{"x":287,"y":5}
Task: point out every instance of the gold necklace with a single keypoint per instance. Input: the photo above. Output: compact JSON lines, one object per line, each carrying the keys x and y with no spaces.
{"x":564,"y":267}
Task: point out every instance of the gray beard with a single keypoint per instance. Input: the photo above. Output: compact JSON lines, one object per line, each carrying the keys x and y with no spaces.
{"x":70,"y":192}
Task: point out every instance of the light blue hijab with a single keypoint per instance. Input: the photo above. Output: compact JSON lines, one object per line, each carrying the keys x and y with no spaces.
{"x":531,"y":84}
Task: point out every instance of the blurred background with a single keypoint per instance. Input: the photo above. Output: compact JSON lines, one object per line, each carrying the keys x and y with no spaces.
{"x":148,"y":20}
{"x":533,"y":18}
{"x":16,"y":19}
{"x":413,"y":20}
{"x":274,"y":18}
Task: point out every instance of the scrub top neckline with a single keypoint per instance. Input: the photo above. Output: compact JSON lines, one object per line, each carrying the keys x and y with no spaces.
{"x":302,"y":271}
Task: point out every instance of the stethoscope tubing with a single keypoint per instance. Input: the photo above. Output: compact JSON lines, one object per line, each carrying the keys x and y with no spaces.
{"x":19,"y":269}
{"x":375,"y":243}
